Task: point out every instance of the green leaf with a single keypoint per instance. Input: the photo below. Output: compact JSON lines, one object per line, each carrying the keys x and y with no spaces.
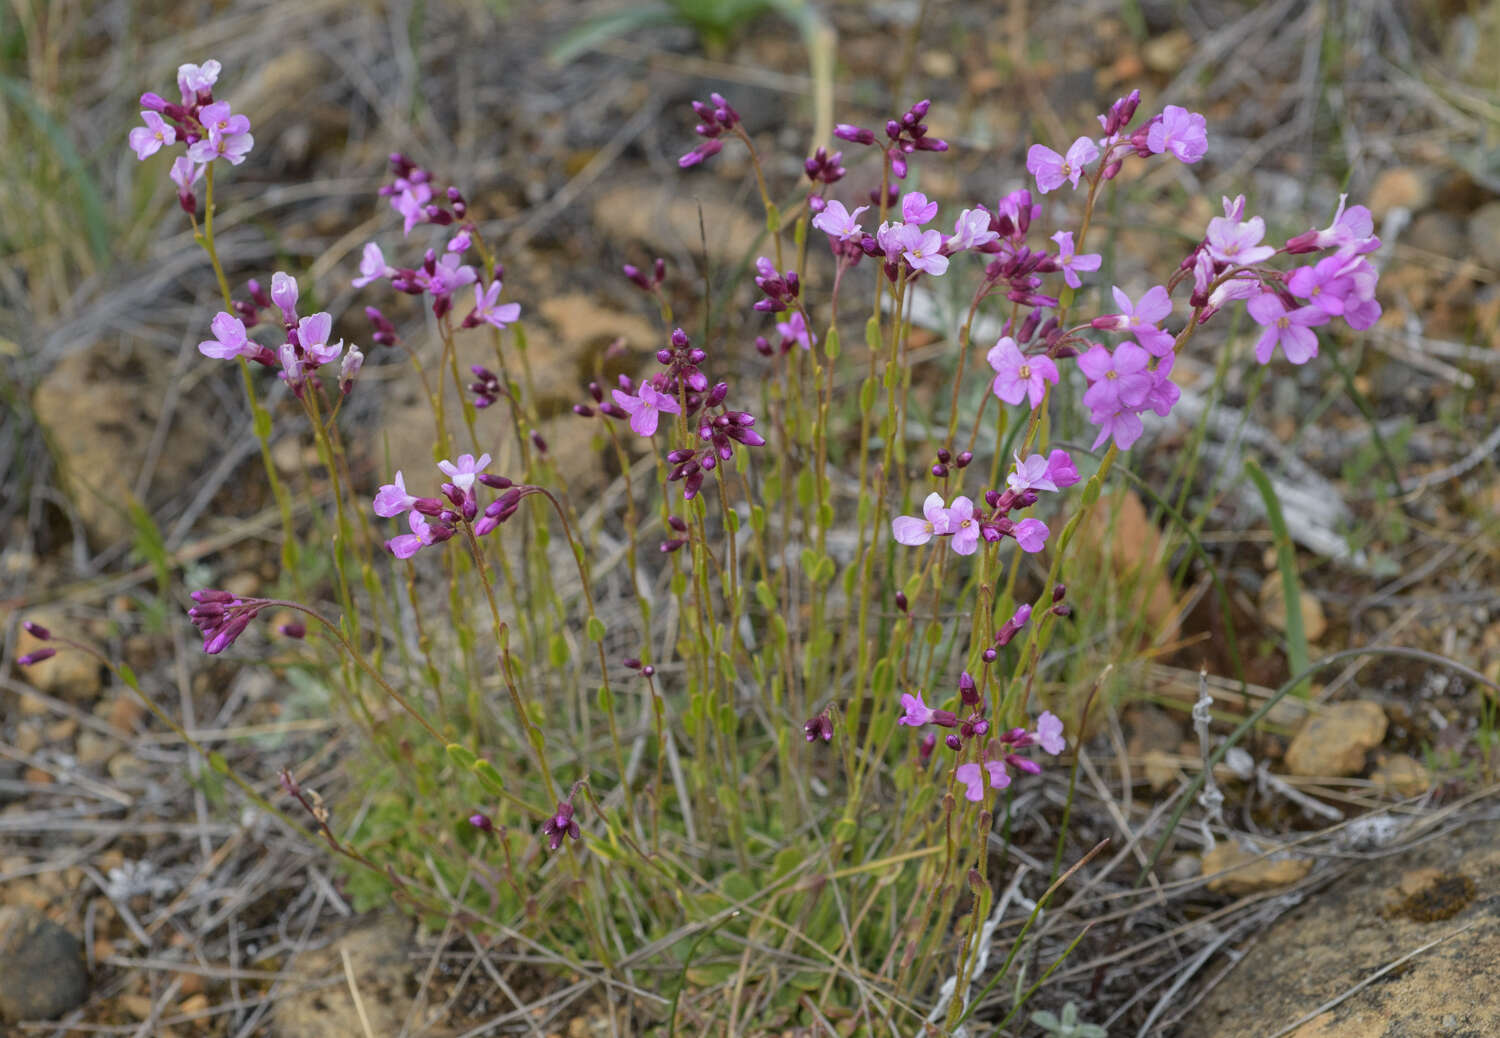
{"x":1286,"y":562}
{"x":557,"y":650}
{"x":867,"y":396}
{"x":595,"y":629}
{"x":606,"y":700}
{"x":765,"y":596}
{"x":461,"y":756}
{"x":872,"y":333}
{"x":488,"y":777}
{"x":831,"y":344}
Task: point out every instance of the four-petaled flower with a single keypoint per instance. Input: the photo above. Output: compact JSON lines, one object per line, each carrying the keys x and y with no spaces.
{"x":229,"y":339}
{"x":839,"y":223}
{"x":1183,"y":133}
{"x":1141,"y":318}
{"x":1289,"y":329}
{"x":1049,"y":732}
{"x":1034,"y":473}
{"x":392,"y":499}
{"x":646,"y":406}
{"x":1070,"y":263}
{"x":149,"y":139}
{"x":1238,"y":243}
{"x":463,"y":472}
{"x":794,"y":330}
{"x":1017,"y":376}
{"x":1051,"y":169}
{"x":963,"y":526}
{"x":372,"y":266}
{"x":971,"y":230}
{"x":489,"y":309}
{"x":405,"y":545}
{"x":922,"y":250}
{"x":917,"y":713}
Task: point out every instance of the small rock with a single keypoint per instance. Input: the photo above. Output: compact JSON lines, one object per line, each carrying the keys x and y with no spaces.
{"x":42,"y":973}
{"x":1402,"y":186}
{"x":1333,"y":742}
{"x":1440,"y":234}
{"x":1251,"y":872}
{"x":94,"y":749}
{"x":1402,"y":775}
{"x":126,"y":768}
{"x":1161,"y":770}
{"x":62,"y":731}
{"x":125,"y":712}
{"x":1484,"y":232}
{"x":28,"y":738}
{"x":1273,"y":608}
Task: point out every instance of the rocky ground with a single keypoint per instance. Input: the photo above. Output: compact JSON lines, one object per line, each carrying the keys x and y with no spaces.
{"x":1356,"y":893}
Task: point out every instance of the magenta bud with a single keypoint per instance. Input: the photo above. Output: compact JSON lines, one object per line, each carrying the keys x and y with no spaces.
{"x":962,"y":461}
{"x":664,"y":356}
{"x":481,"y":821}
{"x":992,"y":498}
{"x":294,"y":629}
{"x":967,"y":690}
{"x":631,"y":663}
{"x":583,"y":410}
{"x":36,"y":657}
{"x":989,"y":655}
{"x":667,"y":547}
{"x":1062,"y":609}
{"x":37,"y":631}
{"x":953,"y":742}
{"x":647,"y":671}
{"x":901,"y":602}
{"x":940,"y":470}
{"x":677,"y":523}
{"x":538,"y":442}
{"x":1059,"y":592}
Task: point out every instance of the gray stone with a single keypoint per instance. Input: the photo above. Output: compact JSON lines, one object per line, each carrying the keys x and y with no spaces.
{"x":42,"y":974}
{"x":1484,"y":234}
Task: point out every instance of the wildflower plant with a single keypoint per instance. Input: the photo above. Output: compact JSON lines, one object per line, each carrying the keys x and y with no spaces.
{"x":784,"y":723}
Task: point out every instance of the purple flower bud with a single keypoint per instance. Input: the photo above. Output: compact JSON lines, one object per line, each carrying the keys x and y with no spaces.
{"x":667,"y":547}
{"x":631,"y":663}
{"x":820,"y":727}
{"x":481,"y":821}
{"x":647,"y":671}
{"x":717,"y":394}
{"x":989,"y":655}
{"x":677,"y":523}
{"x":853,"y":134}
{"x":940,"y":470}
{"x":561,"y":824}
{"x":494,"y":482}
{"x":967,"y":690}
{"x":901,"y":602}
{"x":1059,"y":592}
{"x":294,"y":629}
{"x":36,"y":657}
{"x":953,"y":742}
{"x":1061,"y":609}
{"x":37,"y":631}
{"x":962,"y":461}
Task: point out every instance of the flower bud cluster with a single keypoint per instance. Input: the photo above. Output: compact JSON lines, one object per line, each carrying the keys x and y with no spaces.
{"x":433,"y":520}
{"x":209,"y":129}
{"x":905,"y":135}
{"x":717,"y":116}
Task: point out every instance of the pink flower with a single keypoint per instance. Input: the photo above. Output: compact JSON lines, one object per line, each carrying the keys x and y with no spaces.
{"x":392,"y":499}
{"x":1051,"y":169}
{"x":284,"y":295}
{"x":411,"y":202}
{"x":447,"y":276}
{"x":1049,"y":731}
{"x":229,"y":339}
{"x":185,"y":173}
{"x":645,"y":407}
{"x":312,"y":335}
{"x":795,"y":330}
{"x":489,"y":309}
{"x":971,"y":230}
{"x":195,"y":79}
{"x":405,"y":545}
{"x":911,"y":531}
{"x":1324,"y":285}
{"x":463,"y":472}
{"x":1141,"y":318}
{"x":972,"y":776}
{"x":963,"y":526}
{"x":1031,"y":535}
{"x":1352,"y":230}
{"x":1238,"y":244}
{"x":915,"y":209}
{"x":1119,"y":380}
{"x":1124,"y":427}
{"x":1032,"y":474}
{"x":372,"y":266}
{"x":917,"y":712}
{"x":1060,"y":468}
{"x":839,"y":223}
{"x":1289,"y":329}
{"x":1071,"y":263}
{"x":148,"y":140}
{"x":1183,"y":133}
{"x":923,"y":251}
{"x":1018,"y":376}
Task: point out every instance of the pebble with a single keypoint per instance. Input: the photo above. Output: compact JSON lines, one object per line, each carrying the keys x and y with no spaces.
{"x":1334,"y":741}
{"x":1252,"y":873}
{"x":42,"y":973}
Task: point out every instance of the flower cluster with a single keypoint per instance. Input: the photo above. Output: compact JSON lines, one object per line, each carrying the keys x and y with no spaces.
{"x":433,"y":520}
{"x":411,"y":195}
{"x":680,"y":389}
{"x":222,"y":616}
{"x":961,"y":522}
{"x":717,"y":116}
{"x":1000,"y":755}
{"x":208,"y":127}
{"x":905,"y":135}
{"x":306,"y":346}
